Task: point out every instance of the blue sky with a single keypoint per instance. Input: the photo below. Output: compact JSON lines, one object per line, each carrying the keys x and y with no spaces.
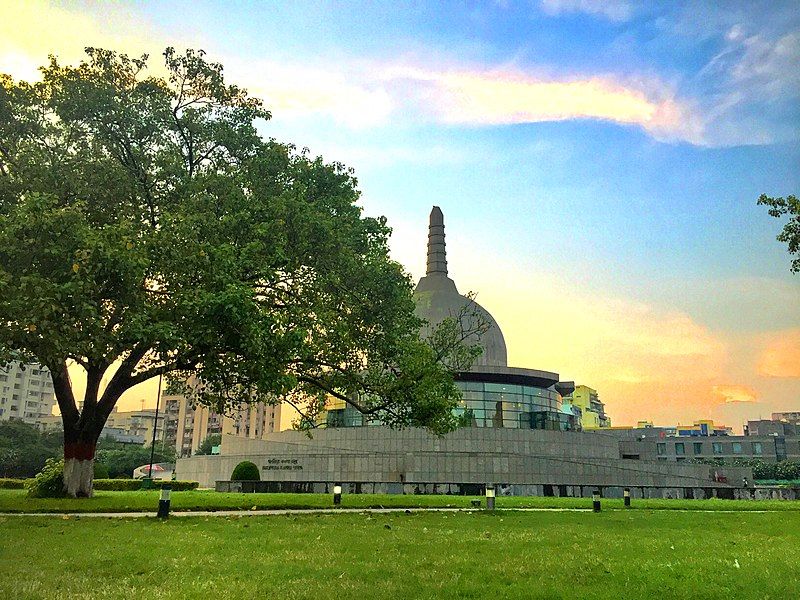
{"x":597,"y":163}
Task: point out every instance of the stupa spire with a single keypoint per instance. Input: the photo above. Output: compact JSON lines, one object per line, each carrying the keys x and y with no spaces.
{"x":437,"y":253}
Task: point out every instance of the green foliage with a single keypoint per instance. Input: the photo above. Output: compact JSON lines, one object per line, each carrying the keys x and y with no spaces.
{"x":24,"y":449}
{"x":49,"y":483}
{"x":100,"y":471}
{"x":12,"y":484}
{"x":246,"y":471}
{"x":786,"y":470}
{"x":145,"y":225}
{"x":132,"y":485}
{"x":121,"y":459}
{"x":205,"y":446}
{"x":790,"y":234}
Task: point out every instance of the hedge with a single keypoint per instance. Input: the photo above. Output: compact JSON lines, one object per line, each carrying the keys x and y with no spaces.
{"x":132,"y":485}
{"x":12,"y":484}
{"x":112,"y":485}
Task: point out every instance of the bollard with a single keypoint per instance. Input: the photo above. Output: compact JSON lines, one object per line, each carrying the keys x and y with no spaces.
{"x":163,"y":502}
{"x":596,"y":501}
{"x":626,"y":494}
{"x":490,"y":497}
{"x":337,"y":494}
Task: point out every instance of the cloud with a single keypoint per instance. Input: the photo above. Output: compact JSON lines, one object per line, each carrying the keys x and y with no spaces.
{"x":30,"y":30}
{"x":735,"y":393}
{"x":477,"y":97}
{"x":613,"y":10}
{"x":780,"y":354}
{"x":348,"y":96}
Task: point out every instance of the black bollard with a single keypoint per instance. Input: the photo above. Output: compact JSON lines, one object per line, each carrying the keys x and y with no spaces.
{"x":596,"y":501}
{"x":163,"y":502}
{"x":337,"y":494}
{"x":490,"y":497}
{"x":626,"y":494}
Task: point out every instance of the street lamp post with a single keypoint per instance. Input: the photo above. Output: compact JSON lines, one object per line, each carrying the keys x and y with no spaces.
{"x":148,"y":482}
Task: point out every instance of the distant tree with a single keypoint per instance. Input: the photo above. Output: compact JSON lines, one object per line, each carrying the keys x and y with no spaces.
{"x":205,"y":446}
{"x":147,"y":229}
{"x":791,"y":230}
{"x":122,"y":459}
{"x":24,"y":449}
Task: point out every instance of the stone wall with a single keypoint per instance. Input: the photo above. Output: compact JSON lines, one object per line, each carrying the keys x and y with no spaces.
{"x":520,"y":460}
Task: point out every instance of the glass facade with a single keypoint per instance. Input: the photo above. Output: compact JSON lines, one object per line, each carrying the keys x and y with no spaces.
{"x":512,"y":406}
{"x":501,"y":405}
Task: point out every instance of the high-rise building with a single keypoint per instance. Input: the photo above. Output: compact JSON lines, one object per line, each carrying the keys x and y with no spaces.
{"x":135,"y":425}
{"x":26,"y":393}
{"x":187,"y":424}
{"x":593,"y":412}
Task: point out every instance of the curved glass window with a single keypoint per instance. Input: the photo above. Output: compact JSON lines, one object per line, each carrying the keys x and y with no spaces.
{"x":511,"y":406}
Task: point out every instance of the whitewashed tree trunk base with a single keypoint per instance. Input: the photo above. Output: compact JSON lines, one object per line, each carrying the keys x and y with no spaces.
{"x":79,"y":477}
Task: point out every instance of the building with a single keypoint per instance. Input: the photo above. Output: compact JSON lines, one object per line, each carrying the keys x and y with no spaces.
{"x":789,"y":417}
{"x":593,"y":412}
{"x":523,"y":438}
{"x":494,"y":394}
{"x":704,"y":428}
{"x":727,"y":448}
{"x":26,"y":393}
{"x":187,"y":424}
{"x":132,"y":426}
{"x":771,"y":427}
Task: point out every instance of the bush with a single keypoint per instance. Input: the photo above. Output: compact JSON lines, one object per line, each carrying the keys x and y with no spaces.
{"x":49,"y":482}
{"x":132,"y":485}
{"x":12,"y":484}
{"x":246,"y":471}
{"x":182,"y":486}
{"x":100,"y":471}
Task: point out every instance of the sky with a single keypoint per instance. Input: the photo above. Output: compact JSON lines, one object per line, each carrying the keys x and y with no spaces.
{"x":597,"y":163}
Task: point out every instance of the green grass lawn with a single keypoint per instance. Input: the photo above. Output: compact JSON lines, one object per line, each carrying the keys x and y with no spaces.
{"x":147,"y":501}
{"x":613,"y":554}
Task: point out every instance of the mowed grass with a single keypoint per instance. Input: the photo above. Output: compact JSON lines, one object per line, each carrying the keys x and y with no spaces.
{"x":16,"y":501}
{"x":613,"y":554}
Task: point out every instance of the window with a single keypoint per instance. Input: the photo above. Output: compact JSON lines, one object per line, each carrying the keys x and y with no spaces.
{"x":680,"y":448}
{"x":717,"y":447}
{"x":757,"y":448}
{"x":698,"y":447}
{"x":661,"y":448}
{"x":737,"y":447}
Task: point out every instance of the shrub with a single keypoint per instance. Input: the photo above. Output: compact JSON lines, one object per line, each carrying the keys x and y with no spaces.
{"x":246,"y":471}
{"x":12,"y":484}
{"x":49,"y":482}
{"x":100,"y":471}
{"x":132,"y":485}
{"x":117,"y":485}
{"x":182,"y":486}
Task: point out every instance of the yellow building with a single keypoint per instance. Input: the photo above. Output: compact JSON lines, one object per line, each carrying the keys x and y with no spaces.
{"x":593,"y":414}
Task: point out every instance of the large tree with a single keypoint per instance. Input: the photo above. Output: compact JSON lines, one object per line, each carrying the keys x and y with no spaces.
{"x":789,"y":206}
{"x":147,"y":229}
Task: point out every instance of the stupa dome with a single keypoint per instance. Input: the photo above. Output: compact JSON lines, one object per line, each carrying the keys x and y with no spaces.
{"x":437,"y":298}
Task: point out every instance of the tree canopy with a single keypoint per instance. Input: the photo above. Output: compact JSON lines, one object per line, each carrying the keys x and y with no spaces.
{"x":790,"y":234}
{"x":146,"y":229}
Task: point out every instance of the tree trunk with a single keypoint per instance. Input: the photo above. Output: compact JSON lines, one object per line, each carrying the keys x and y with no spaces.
{"x":80,"y":443}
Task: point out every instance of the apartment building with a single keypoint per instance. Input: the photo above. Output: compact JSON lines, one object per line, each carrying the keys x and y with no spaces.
{"x":26,"y":393}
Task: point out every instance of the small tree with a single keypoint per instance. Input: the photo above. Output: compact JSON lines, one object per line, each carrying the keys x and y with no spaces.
{"x":246,"y":471}
{"x":207,"y":444}
{"x":146,"y":229}
{"x":791,"y":230}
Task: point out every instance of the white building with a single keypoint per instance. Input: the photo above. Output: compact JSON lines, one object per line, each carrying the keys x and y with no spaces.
{"x":26,"y":393}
